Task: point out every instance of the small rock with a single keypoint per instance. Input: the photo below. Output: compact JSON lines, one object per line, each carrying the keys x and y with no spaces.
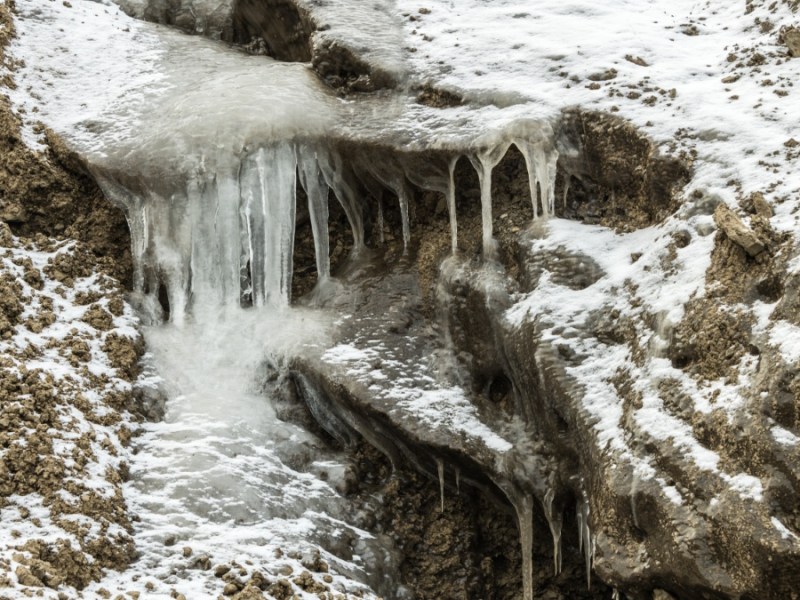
{"x":761,"y":206}
{"x":637,"y":60}
{"x":606,"y":75}
{"x":187,"y":551}
{"x":737,"y":231}
{"x":230,"y":589}
{"x":221,"y":570}
{"x":25,"y":577}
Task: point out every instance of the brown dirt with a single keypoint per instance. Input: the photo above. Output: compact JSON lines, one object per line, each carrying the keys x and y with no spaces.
{"x":40,"y":413}
{"x":46,"y":197}
{"x":619,"y":179}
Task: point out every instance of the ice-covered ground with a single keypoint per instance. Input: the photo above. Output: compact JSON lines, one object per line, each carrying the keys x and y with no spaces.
{"x":702,"y":76}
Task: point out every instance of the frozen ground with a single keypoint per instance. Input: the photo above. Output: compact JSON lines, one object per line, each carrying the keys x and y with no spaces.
{"x":66,"y":333}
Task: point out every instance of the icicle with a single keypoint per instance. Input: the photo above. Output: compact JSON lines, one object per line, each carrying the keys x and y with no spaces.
{"x":615,"y":594}
{"x":229,"y":236}
{"x":634,"y":489}
{"x":451,"y":205}
{"x":484,"y":162}
{"x":313,"y":181}
{"x":270,"y":181}
{"x":524,"y":508}
{"x":567,"y":180}
{"x":554,"y":520}
{"x":403,"y":196}
{"x":458,"y":479}
{"x":380,"y":218}
{"x":585,"y":537}
{"x":343,"y":186}
{"x":541,"y":165}
{"x":440,"y":471}
{"x":169,"y":252}
{"x":138,"y":225}
{"x":395,"y":180}
{"x":528,"y":153}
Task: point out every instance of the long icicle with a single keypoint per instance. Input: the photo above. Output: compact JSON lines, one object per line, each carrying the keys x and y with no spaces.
{"x":484,"y":162}
{"x":451,"y":205}
{"x":554,"y":521}
{"x":313,"y":181}
{"x":403,"y":196}
{"x":525,"y":518}
{"x":585,"y":540}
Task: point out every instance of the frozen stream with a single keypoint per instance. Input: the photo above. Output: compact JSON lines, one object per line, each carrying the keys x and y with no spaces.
{"x":222,"y":475}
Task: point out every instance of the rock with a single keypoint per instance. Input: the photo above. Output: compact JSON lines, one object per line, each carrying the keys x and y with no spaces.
{"x":662,"y":595}
{"x":221,"y":570}
{"x":25,"y":577}
{"x":606,"y":75}
{"x":760,"y":205}
{"x":637,"y":60}
{"x":733,"y":227}
{"x":230,"y":589}
{"x":791,"y":39}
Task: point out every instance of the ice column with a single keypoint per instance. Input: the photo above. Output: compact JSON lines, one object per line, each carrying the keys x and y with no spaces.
{"x":451,"y":204}
{"x":313,"y":181}
{"x":213,"y":205}
{"x":524,"y":508}
{"x":554,"y":520}
{"x":440,"y":471}
{"x":342,"y":182}
{"x":586,"y":543}
{"x":484,"y":162}
{"x":269,"y":196}
{"x":540,"y":161}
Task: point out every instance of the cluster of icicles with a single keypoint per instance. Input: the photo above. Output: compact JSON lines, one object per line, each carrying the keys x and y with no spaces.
{"x":226,"y":237}
{"x":523,"y":506}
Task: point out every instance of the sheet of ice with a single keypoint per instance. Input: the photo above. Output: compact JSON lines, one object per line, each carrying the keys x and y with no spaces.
{"x":414,"y":392}
{"x":224,"y":476}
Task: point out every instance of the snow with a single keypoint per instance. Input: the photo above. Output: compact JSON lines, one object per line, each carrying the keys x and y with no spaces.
{"x":784,"y":436}
{"x":89,"y":447}
{"x":413,"y":393}
{"x":783,"y":530}
{"x":544,"y":55}
{"x":786,"y":337}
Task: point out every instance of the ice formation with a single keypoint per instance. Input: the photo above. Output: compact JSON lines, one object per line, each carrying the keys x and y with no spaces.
{"x":206,"y":152}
